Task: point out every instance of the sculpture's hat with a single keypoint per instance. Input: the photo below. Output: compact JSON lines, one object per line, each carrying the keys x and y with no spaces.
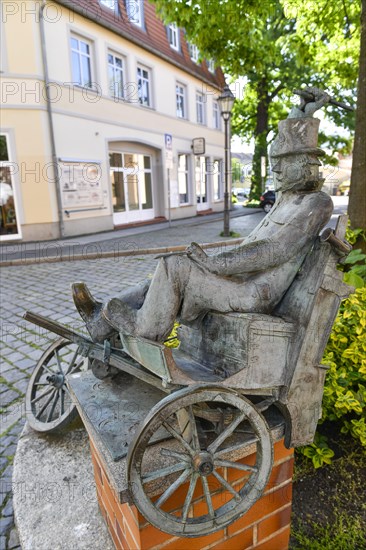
{"x":297,"y":136}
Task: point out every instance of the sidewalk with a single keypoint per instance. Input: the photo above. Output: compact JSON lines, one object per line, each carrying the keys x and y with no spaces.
{"x":138,"y":240}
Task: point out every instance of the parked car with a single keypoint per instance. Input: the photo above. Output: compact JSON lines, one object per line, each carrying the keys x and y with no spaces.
{"x":267,"y":200}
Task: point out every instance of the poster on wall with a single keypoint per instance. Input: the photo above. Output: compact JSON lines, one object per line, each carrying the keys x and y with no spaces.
{"x":81,"y":184}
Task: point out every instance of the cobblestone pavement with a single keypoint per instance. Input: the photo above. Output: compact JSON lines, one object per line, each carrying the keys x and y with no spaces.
{"x":45,"y":288}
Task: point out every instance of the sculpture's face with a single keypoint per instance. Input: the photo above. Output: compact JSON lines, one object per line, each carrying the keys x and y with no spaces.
{"x":296,"y":172}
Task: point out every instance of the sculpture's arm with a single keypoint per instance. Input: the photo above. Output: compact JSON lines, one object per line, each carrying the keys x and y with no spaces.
{"x":253,"y":256}
{"x":308,"y":107}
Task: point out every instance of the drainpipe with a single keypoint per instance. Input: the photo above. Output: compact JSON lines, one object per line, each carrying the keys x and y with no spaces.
{"x":50,"y":122}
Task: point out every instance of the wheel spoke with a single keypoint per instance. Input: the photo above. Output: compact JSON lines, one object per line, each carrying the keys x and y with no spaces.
{"x":227,"y":486}
{"x":187,"y":502}
{"x":43,"y":394}
{"x":177,"y":483}
{"x":41,"y":411}
{"x":175,"y":454}
{"x":50,"y":414}
{"x":51,"y":372}
{"x":164,"y":472}
{"x":192,"y":421}
{"x":62,"y":402}
{"x":58,"y":362}
{"x":69,"y":368}
{"x":208,"y":498}
{"x":236,"y":465}
{"x":177,"y":436}
{"x":226,"y":433}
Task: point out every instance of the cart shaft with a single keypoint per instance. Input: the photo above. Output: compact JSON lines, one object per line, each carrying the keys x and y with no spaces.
{"x":55,"y":327}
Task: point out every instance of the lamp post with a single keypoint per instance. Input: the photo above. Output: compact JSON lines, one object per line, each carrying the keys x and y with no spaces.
{"x":226,"y":102}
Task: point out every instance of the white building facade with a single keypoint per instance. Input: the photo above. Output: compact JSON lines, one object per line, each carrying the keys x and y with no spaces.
{"x":101,"y":103}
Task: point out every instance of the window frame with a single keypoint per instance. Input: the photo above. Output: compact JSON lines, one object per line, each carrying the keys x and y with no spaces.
{"x":173,"y":36}
{"x":211,"y":65}
{"x":194,"y":53}
{"x":115,"y":68}
{"x":187,"y":174}
{"x":105,"y":4}
{"x":183,"y":95}
{"x":216,"y":115}
{"x":200,"y":108}
{"x":142,"y":67}
{"x":90,"y":56}
{"x":140,"y":22}
{"x":220,"y":194}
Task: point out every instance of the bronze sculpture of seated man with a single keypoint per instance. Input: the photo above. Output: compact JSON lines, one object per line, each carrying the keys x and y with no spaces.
{"x":254,"y":276}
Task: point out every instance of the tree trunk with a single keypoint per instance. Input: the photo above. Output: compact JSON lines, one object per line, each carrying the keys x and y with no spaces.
{"x":357,"y":197}
{"x":260,"y":136}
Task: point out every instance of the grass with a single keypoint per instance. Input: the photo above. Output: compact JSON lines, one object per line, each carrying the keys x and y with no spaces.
{"x":232,"y":234}
{"x":346,"y":533}
{"x":329,"y":504}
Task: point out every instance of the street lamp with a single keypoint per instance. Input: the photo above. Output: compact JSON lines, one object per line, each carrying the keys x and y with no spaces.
{"x":226,"y":102}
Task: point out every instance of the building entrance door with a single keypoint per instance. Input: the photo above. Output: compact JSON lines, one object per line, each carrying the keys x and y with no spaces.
{"x":201,"y":183}
{"x":131,"y":178}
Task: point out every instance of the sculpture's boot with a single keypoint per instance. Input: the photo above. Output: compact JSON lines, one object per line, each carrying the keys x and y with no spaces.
{"x":90,"y":311}
{"x":120,"y":316}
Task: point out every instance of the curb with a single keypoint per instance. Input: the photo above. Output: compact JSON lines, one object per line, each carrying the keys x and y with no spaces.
{"x":113,"y":254}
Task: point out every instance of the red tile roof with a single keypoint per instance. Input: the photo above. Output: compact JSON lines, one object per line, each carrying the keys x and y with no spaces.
{"x":152,"y":36}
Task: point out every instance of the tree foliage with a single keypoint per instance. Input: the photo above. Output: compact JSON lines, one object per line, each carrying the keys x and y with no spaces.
{"x":274,"y":46}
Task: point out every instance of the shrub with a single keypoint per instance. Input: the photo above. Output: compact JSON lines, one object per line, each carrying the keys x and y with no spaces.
{"x":345,"y":387}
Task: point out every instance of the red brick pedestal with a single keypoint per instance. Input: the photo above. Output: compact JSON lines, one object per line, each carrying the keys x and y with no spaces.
{"x":266,"y":526}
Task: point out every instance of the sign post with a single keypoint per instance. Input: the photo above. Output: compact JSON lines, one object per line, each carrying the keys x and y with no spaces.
{"x":169,"y":166}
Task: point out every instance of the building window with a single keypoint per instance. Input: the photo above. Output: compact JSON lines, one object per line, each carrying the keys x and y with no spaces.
{"x":200,"y":108}
{"x":193,"y":52}
{"x":183,"y":179}
{"x":134,"y":10}
{"x":173,"y":36}
{"x":143,"y":86}
{"x":111,"y":4}
{"x":181,"y":100}
{"x":8,"y":217}
{"x":116,"y":76}
{"x":210,"y":65}
{"x":217,"y":180}
{"x":81,"y":62}
{"x":216,"y":115}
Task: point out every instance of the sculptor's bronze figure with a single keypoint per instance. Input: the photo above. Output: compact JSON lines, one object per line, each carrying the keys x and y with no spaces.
{"x":251,"y":278}
{"x":254,"y":325}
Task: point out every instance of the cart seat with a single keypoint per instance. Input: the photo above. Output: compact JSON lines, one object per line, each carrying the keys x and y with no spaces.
{"x":231,"y":342}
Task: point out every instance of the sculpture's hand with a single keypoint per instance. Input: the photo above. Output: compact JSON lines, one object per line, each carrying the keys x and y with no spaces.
{"x":321,"y":98}
{"x":198,"y":255}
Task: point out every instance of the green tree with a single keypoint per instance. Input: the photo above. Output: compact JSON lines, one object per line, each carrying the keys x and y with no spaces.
{"x":260,"y":42}
{"x":357,"y":199}
{"x":338,"y":32}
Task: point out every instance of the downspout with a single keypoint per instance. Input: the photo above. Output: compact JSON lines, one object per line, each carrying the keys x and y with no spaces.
{"x":50,"y":122}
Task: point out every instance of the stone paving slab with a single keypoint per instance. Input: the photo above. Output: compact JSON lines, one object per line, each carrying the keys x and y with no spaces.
{"x":56,"y":507}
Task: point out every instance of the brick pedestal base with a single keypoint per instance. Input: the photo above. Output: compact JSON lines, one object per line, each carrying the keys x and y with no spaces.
{"x":266,"y":526}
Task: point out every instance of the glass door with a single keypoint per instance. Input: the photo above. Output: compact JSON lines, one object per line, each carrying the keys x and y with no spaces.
{"x":131,"y":179}
{"x":9,"y":228}
{"x":201,"y":183}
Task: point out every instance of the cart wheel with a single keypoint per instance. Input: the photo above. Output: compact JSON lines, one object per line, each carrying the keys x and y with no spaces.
{"x":49,"y":407}
{"x":201,"y":430}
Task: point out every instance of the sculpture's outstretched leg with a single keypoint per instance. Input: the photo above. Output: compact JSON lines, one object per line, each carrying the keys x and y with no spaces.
{"x":155,"y":318}
{"x":90,"y":309}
